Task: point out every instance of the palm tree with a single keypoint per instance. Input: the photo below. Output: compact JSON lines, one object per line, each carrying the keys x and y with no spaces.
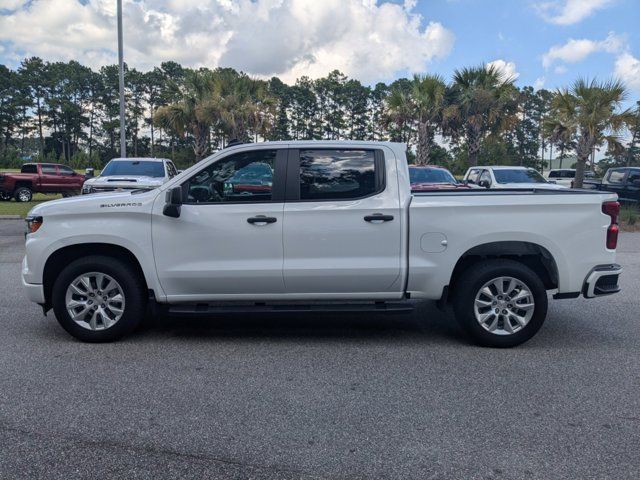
{"x":427,"y":99}
{"x":197,"y":110}
{"x":398,"y":115}
{"x":481,"y":101}
{"x":590,"y":111}
{"x":560,"y":135}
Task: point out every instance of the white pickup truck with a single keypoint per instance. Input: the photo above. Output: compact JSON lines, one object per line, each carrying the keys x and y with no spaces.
{"x":317,"y":225}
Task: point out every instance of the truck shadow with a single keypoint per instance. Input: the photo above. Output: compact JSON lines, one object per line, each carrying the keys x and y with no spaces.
{"x":426,"y":322}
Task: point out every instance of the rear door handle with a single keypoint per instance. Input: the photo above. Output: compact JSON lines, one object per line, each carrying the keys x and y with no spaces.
{"x":378,"y":218}
{"x":261,"y":220}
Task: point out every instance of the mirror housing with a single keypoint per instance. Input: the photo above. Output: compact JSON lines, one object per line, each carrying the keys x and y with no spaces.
{"x":484,"y":183}
{"x":174,"y":202}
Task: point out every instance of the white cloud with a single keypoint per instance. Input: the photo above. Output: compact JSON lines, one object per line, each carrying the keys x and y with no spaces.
{"x":11,"y":4}
{"x":561,"y":69}
{"x":368,"y":39}
{"x":539,"y":83}
{"x":576,"y":50}
{"x":507,"y":69}
{"x":627,"y":68}
{"x":568,"y":12}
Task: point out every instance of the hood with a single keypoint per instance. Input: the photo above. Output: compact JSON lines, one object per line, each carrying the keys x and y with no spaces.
{"x":125,"y":181}
{"x":97,"y":203}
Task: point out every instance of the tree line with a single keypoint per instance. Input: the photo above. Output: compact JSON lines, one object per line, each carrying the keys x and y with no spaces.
{"x":67,"y":112}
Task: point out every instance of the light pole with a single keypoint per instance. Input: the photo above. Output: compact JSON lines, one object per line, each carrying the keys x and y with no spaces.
{"x":123,"y":141}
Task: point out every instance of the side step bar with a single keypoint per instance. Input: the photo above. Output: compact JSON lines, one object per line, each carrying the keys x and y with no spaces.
{"x":261,"y":307}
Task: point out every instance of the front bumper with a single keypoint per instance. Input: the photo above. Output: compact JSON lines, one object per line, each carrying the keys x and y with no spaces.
{"x":34,"y":291}
{"x":602,"y":280}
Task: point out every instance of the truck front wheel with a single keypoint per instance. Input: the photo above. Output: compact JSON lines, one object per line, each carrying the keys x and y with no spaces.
{"x":500,"y":303}
{"x":98,"y":299}
{"x":23,"y":194}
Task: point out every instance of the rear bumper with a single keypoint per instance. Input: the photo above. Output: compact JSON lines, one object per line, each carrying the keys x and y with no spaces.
{"x":602,"y":280}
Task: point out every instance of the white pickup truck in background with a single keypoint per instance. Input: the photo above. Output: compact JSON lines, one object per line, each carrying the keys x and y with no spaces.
{"x":317,"y":225}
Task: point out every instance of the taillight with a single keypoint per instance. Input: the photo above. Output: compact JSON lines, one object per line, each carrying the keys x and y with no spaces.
{"x":613,"y":210}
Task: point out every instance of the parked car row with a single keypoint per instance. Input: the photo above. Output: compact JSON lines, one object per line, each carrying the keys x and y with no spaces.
{"x":53,"y":178}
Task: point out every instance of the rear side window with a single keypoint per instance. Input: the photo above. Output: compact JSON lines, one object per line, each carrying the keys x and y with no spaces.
{"x":29,"y":169}
{"x":617,"y":176}
{"x":327,"y":174}
{"x":48,"y":169}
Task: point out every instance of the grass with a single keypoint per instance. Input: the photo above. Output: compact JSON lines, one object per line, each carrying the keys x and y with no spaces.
{"x":630,"y":217}
{"x":22,"y":208}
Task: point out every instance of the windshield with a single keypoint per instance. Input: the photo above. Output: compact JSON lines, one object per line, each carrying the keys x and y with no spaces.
{"x":518,"y":176}
{"x":139,"y":168}
{"x":430,"y":175}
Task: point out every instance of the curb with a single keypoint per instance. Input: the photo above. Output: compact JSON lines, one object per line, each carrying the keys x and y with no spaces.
{"x":10,"y":217}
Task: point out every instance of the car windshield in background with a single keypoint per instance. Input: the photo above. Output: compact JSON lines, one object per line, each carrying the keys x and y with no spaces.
{"x":133,"y":167}
{"x":430,"y":175}
{"x":518,"y":176}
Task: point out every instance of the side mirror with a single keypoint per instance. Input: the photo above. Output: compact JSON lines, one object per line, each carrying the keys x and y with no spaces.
{"x":174,"y":202}
{"x":484,"y":183}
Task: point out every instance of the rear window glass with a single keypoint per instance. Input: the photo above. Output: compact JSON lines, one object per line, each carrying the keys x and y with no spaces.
{"x":337,"y":174}
{"x":617,"y":176}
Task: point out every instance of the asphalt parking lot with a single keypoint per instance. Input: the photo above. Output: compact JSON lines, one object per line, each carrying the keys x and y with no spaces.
{"x":321,"y":396}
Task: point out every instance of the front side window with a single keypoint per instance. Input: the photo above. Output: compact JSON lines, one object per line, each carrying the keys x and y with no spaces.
{"x":556,"y":174}
{"x":243,"y":177}
{"x":485,"y":177}
{"x":138,"y":168}
{"x":617,"y":176}
{"x":473,"y":175}
{"x":518,"y":176}
{"x":66,"y":170}
{"x":327,"y":174}
{"x":171,"y":169}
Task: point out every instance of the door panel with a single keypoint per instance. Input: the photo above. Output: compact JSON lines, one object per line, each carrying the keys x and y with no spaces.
{"x":218,"y":248}
{"x":212,"y":250}
{"x":329,"y":247}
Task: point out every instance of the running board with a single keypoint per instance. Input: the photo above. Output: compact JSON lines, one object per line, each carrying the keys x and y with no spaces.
{"x":259,"y":307}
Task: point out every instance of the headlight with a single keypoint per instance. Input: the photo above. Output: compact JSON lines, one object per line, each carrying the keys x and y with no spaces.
{"x":33,"y":223}
{"x":87,"y":189}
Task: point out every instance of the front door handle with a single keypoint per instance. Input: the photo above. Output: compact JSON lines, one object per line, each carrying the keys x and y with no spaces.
{"x":378,"y":218}
{"x":261,"y":220}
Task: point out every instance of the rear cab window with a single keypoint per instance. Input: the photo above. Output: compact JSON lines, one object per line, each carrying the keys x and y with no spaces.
{"x":338,"y":174}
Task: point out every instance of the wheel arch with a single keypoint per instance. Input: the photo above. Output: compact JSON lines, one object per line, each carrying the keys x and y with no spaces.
{"x":64,"y":255}
{"x":531,"y":254}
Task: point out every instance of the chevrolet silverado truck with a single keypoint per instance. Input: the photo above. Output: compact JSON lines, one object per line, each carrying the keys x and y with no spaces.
{"x":131,"y":174}
{"x":337,"y":229}
{"x":42,"y":178}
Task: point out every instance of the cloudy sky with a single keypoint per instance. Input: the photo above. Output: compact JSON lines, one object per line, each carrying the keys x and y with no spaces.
{"x":541,"y":42}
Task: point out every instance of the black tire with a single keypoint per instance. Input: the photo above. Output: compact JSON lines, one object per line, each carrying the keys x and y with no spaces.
{"x":474,"y":278}
{"x":23,"y":194}
{"x":5,"y":196}
{"x":133,"y":289}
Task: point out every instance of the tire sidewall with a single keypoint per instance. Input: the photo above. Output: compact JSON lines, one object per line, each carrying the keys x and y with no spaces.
{"x":480,"y":274}
{"x":21,"y":189}
{"x":133,"y":291}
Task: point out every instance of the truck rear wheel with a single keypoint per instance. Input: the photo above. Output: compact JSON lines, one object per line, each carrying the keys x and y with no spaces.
{"x":500,"y":303}
{"x":23,"y":194}
{"x":99,"y":299}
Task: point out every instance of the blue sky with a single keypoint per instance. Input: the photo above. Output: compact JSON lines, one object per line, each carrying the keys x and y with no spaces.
{"x":517,"y":32}
{"x":546,"y":43}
